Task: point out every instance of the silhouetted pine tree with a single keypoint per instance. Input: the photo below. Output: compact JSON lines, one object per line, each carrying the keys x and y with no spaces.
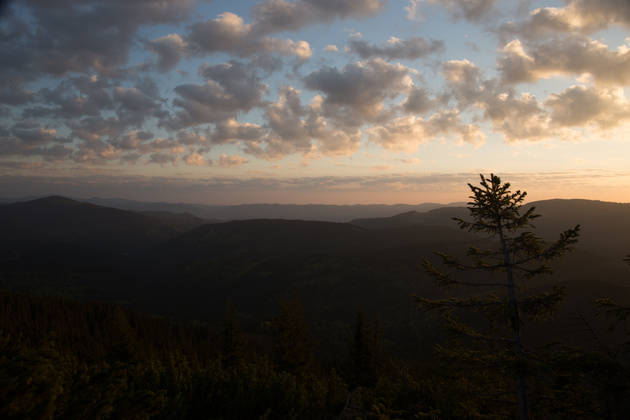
{"x":619,"y":313}
{"x":366,"y":352}
{"x":233,"y":341}
{"x":292,"y":342}
{"x":520,"y":256}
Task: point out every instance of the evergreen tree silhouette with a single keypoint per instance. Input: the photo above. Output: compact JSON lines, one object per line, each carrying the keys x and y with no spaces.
{"x":619,"y":313}
{"x":233,"y":342}
{"x":292,"y":341}
{"x":518,"y":257}
{"x":366,"y":352}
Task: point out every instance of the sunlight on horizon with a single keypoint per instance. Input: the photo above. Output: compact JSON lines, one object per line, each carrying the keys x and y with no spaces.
{"x":346,"y":102}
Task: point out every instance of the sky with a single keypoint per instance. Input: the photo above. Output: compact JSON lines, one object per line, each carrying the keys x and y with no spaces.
{"x":314,"y":101}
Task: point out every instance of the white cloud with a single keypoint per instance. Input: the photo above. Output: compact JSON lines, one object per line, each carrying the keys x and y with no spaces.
{"x":231,"y":160}
{"x":356,"y":93}
{"x":396,"y":48}
{"x":195,"y":159}
{"x":580,"y":106}
{"x":473,"y":10}
{"x":577,"y":17}
{"x":229,"y":33}
{"x":572,"y":55}
{"x":407,"y":133}
{"x":412,"y":9}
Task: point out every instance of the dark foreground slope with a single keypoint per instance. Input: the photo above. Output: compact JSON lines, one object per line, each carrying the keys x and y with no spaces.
{"x":66,"y":360}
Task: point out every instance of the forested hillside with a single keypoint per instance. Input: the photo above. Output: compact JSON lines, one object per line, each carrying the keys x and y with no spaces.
{"x":281,"y":318}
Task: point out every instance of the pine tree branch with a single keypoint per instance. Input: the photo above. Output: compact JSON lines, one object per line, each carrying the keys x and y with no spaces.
{"x":457,"y":303}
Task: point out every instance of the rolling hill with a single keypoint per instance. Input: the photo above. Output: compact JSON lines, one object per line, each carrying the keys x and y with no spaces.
{"x":605,"y":225}
{"x":55,"y":220}
{"x":191,"y":269}
{"x":317,"y":212}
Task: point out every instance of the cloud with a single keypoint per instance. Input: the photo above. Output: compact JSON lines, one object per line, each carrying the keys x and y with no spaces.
{"x":196,"y":159}
{"x":31,"y":133}
{"x":412,"y":10}
{"x":163,"y":159}
{"x":191,"y":138}
{"x":295,"y":128}
{"x":73,"y":97}
{"x":134,"y":106}
{"x":230,"y":131}
{"x":577,"y":17}
{"x":396,"y":48}
{"x":94,"y":128}
{"x":22,"y":165}
{"x":356,"y":93}
{"x":74,"y":94}
{"x":229,"y":33}
{"x":448,"y":123}
{"x":406,"y":133}
{"x":170,"y":49}
{"x":518,"y":117}
{"x":465,"y":82}
{"x":272,"y":16}
{"x":473,"y":10}
{"x":573,"y":55}
{"x":54,"y":153}
{"x":522,"y":116}
{"x":228,"y":161}
{"x":285,"y":119}
{"x":230,"y":88}
{"x":30,"y":139}
{"x":15,"y":96}
{"x":54,"y":40}
{"x":300,"y":49}
{"x":133,"y":140}
{"x":403,"y":133}
{"x":418,"y":101}
{"x":580,"y":105}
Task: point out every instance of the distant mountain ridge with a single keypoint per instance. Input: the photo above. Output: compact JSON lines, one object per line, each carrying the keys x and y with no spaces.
{"x":605,"y":225}
{"x":438,"y":217}
{"x":179,"y":265}
{"x":320,"y":212}
{"x":60,"y":220}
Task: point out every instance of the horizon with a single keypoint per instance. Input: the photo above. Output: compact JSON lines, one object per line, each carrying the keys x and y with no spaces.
{"x":300,"y":101}
{"x":446,"y":204}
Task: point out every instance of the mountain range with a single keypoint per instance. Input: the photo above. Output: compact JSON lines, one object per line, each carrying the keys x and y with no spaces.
{"x":319,"y":212}
{"x":183,"y":266}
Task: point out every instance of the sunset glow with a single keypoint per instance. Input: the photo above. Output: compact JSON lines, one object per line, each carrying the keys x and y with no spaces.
{"x":308,"y":101}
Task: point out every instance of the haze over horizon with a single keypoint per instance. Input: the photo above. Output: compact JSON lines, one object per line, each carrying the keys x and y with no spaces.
{"x":306,"y":101}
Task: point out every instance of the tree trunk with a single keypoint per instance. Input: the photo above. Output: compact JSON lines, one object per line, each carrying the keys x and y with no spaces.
{"x":515,"y":323}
